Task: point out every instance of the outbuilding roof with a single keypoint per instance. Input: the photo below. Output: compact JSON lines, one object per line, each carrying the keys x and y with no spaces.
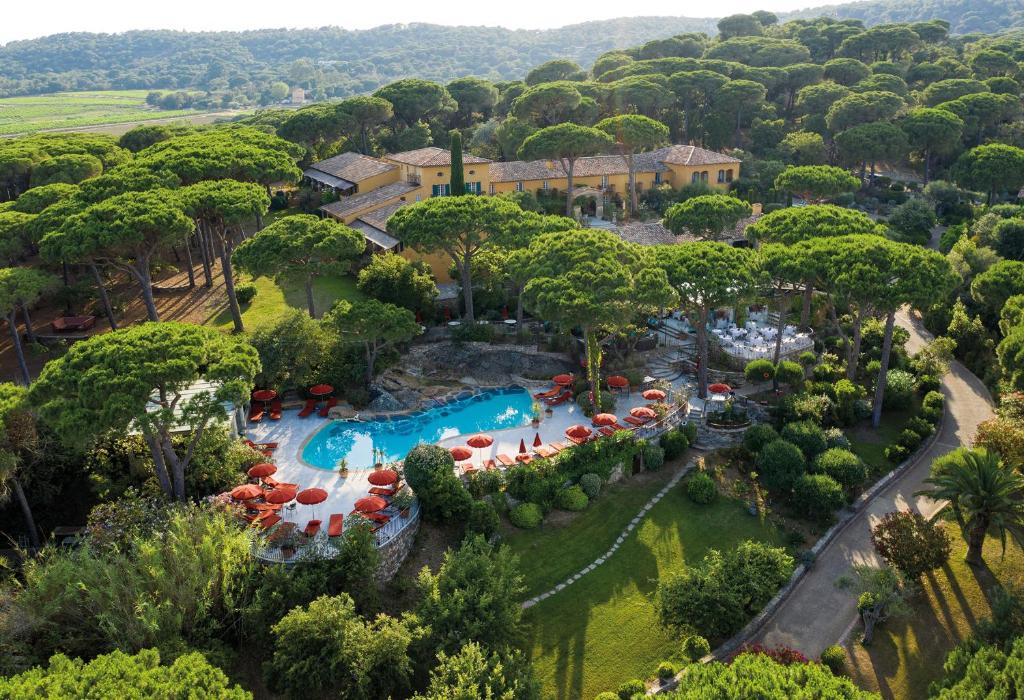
{"x":354,"y":167}
{"x":590,"y":166}
{"x":349,"y":206}
{"x":431,"y":156}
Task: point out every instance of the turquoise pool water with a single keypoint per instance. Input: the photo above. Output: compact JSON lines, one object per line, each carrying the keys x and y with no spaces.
{"x":494,"y":409}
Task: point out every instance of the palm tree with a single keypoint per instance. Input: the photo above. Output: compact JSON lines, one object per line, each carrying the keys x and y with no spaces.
{"x":983,"y":496}
{"x":9,"y":485}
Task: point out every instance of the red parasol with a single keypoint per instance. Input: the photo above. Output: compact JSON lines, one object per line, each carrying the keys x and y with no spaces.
{"x":654,"y":395}
{"x":719,"y":388}
{"x":480,"y":441}
{"x":522,"y":446}
{"x":310,"y":497}
{"x":321,"y":389}
{"x":604,"y":419}
{"x":371,"y":504}
{"x":617,"y":381}
{"x":460,"y":453}
{"x":264,"y":395}
{"x":578,"y":431}
{"x":643,"y":412}
{"x":258,"y":471}
{"x":280,"y":496}
{"x":246,"y":492}
{"x":537,"y":442}
{"x":562,"y":379}
{"x":383,"y":477}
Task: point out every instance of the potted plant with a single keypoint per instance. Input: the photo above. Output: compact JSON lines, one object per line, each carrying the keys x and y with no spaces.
{"x":378,"y":458}
{"x":403,"y":501}
{"x":342,"y":466}
{"x":284,"y":536}
{"x":535,"y":411}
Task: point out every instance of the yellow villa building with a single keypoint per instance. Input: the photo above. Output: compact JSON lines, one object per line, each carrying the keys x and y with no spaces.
{"x":371,"y":189}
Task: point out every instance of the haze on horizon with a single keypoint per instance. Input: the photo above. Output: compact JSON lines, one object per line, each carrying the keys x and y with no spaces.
{"x":28,"y":21}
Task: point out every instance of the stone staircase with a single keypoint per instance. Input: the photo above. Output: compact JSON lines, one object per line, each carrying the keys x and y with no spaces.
{"x":669,"y":363}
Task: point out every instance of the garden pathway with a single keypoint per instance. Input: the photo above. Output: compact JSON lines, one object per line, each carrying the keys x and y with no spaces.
{"x":683,"y":471}
{"x":817,"y":613}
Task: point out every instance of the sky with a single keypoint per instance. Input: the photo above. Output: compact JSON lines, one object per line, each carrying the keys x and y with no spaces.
{"x":26,"y":20}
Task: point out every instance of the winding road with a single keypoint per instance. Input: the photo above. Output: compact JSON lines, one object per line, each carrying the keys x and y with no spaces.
{"x":817,"y":614}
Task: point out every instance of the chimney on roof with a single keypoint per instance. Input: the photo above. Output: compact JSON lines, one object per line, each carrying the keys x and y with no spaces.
{"x":549,"y":164}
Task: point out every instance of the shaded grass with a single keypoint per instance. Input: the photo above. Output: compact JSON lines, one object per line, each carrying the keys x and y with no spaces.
{"x":274,"y":298}
{"x":907,"y":654}
{"x":604,"y":629}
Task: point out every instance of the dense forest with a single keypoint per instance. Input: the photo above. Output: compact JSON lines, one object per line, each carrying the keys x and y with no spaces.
{"x":964,"y":16}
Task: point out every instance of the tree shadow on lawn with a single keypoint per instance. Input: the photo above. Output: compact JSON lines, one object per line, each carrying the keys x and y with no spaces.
{"x":604,"y":629}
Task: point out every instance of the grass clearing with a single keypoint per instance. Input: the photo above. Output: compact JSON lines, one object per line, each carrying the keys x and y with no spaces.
{"x":274,"y":298}
{"x":604,"y":629}
{"x":63,"y":110}
{"x":907,"y":654}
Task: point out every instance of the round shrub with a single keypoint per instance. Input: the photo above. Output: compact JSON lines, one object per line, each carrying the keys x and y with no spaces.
{"x":701,"y":489}
{"x":909,"y":439}
{"x":759,"y":371}
{"x":780,"y":464}
{"x":674,"y":443}
{"x":827,"y":372}
{"x":928,"y":382}
{"x":899,"y":388}
{"x":627,"y":690}
{"x":245,"y":293}
{"x":843,"y":466}
{"x":666,"y":670}
{"x":834,"y":657}
{"x":808,"y":436}
{"x":789,"y":372}
{"x":872,"y":368}
{"x":482,"y":519}
{"x":933,"y":399}
{"x":807,"y":358}
{"x":572,"y":498}
{"x":920,"y":426}
{"x":526,"y":516}
{"x":591,"y":485}
{"x":817,"y":497}
{"x":695,"y":648}
{"x":654,"y":457}
{"x":834,"y":437}
{"x":896,"y":453}
{"x":757,"y":436}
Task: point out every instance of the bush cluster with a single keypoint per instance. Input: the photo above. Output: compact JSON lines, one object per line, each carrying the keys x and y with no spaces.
{"x":526,"y":516}
{"x":842,"y":465}
{"x":591,"y":485}
{"x":899,"y":388}
{"x":780,"y":464}
{"x":817,"y":497}
{"x":654,"y":457}
{"x":674,"y":443}
{"x":245,"y":293}
{"x":834,"y":657}
{"x":757,"y":436}
{"x":695,"y":648}
{"x":701,"y":489}
{"x":806,"y":435}
{"x":572,"y":499}
{"x":482,"y":519}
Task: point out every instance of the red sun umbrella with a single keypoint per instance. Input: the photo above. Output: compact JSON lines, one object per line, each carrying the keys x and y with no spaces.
{"x":383,"y":477}
{"x":460,"y":453}
{"x":264,"y":395}
{"x":562,"y":379}
{"x":617,"y":381}
{"x":522,"y":446}
{"x":310,"y":497}
{"x":654,"y":395}
{"x":321,"y":389}
{"x":258,"y":471}
{"x":246,"y":492}
{"x":371,"y":504}
{"x":604,"y":419}
{"x":280,"y":496}
{"x":578,"y":431}
{"x":643,"y":412}
{"x":719,"y":388}
{"x":537,"y":442}
{"x":480,"y":441}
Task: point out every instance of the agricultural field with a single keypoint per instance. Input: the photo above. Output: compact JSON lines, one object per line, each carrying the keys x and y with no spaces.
{"x":64,"y":110}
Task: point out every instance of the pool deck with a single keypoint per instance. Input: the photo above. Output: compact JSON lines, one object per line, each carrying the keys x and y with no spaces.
{"x":292,"y":433}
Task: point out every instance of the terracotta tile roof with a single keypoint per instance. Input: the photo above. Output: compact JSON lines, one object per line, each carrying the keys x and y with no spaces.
{"x":378,"y":218}
{"x":431,"y":156}
{"x":347,"y":206}
{"x":691,"y":155}
{"x":354,"y":167}
{"x":591,"y":166}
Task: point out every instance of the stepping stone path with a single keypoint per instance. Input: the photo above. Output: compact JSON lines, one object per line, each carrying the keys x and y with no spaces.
{"x":618,"y":541}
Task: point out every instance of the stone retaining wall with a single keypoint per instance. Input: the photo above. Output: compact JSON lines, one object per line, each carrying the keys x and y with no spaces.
{"x":394,"y":552}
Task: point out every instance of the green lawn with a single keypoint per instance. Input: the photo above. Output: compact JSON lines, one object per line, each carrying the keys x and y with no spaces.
{"x":75,"y":109}
{"x":273,"y":299}
{"x":604,"y":630}
{"x":869,"y":444}
{"x":907,"y":654}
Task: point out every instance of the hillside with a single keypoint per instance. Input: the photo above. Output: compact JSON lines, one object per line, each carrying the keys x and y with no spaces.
{"x":964,"y":16}
{"x":351,"y":61}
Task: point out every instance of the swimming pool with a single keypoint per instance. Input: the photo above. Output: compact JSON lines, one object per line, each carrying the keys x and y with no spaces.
{"x":493,"y":409}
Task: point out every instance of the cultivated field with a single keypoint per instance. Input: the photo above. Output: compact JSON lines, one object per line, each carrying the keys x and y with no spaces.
{"x":66,"y":110}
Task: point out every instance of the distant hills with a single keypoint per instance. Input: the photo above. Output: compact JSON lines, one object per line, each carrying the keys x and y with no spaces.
{"x":964,"y":16}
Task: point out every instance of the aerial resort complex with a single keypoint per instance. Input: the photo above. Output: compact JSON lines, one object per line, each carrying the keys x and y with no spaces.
{"x":648,"y":356}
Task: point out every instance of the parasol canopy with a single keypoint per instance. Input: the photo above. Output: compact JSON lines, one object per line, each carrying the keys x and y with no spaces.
{"x":522,"y":446}
{"x":383,"y":477}
{"x":460,"y":453}
{"x":264,"y":395}
{"x":480,"y":441}
{"x":562,"y":379}
{"x":311,"y":497}
{"x":321,"y":389}
{"x":537,"y":442}
{"x":371,"y":504}
{"x":246,"y":492}
{"x":578,"y":431}
{"x":719,"y":388}
{"x":643,"y":412}
{"x":604,"y":419}
{"x":654,"y":395}
{"x":280,"y":496}
{"x":617,"y":381}
{"x":258,"y":471}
